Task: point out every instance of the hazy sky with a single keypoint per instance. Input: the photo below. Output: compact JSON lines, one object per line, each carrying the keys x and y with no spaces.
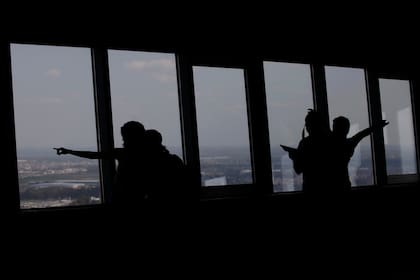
{"x":144,"y":89}
{"x":53,"y":96}
{"x":289,"y":96}
{"x":221,"y":106}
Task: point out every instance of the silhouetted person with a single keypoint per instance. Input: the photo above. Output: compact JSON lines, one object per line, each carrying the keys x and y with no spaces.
{"x":167,"y":172}
{"x":130,"y":188}
{"x":313,"y":157}
{"x":324,"y":155}
{"x":146,"y":170}
{"x":343,"y":148}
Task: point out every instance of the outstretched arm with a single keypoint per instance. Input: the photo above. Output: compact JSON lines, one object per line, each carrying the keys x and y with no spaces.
{"x":85,"y":154}
{"x":365,"y":132}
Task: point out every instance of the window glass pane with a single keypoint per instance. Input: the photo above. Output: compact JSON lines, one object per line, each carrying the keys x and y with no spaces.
{"x":400,"y":150}
{"x":144,"y":89}
{"x":222,"y":126}
{"x":346,"y":89}
{"x":54,"y":107}
{"x":289,"y":96}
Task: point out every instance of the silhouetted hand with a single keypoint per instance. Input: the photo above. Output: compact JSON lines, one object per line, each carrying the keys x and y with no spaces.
{"x":380,"y":124}
{"x":62,"y":151}
{"x":292,"y":151}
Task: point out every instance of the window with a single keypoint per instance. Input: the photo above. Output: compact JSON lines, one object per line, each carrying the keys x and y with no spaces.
{"x":400,"y":150}
{"x":222,"y":126}
{"x":54,"y":107}
{"x":346,"y":89}
{"x":289,"y":96}
{"x":144,"y":89}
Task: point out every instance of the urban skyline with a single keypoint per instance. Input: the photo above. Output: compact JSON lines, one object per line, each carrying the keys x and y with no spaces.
{"x":47,"y":181}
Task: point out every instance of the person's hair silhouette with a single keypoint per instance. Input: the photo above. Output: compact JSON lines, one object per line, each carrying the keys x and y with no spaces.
{"x":153,"y":139}
{"x":315,"y":125}
{"x":341,"y":126}
{"x":132,"y":133}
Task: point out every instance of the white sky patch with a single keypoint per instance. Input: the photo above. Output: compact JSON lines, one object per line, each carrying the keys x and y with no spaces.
{"x":53,"y":73}
{"x":162,"y":70}
{"x":164,"y":77}
{"x":136,"y":65}
{"x":151,"y":65}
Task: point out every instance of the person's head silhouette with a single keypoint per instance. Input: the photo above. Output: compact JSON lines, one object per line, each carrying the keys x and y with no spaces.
{"x":313,"y":123}
{"x":153,"y":138}
{"x":132,"y":133}
{"x":341,"y":126}
{"x":153,"y":141}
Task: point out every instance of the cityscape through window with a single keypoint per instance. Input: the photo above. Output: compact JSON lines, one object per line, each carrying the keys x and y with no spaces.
{"x":222,"y":126}
{"x":400,"y":150}
{"x":54,"y":107}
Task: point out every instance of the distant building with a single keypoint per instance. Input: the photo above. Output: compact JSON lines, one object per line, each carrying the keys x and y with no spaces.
{"x":218,"y":181}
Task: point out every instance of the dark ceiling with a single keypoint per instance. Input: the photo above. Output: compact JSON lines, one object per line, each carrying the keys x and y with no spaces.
{"x":386,"y":46}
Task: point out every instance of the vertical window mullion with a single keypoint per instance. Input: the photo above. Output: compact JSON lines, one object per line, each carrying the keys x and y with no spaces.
{"x":187,"y":109}
{"x":375,"y":115}
{"x":319,"y":88}
{"x":258,"y":127}
{"x":103,"y":114}
{"x":415,"y":100}
{"x":10,"y":192}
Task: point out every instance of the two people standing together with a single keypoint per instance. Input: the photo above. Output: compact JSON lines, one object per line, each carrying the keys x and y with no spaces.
{"x":323,"y":156}
{"x":146,"y":170}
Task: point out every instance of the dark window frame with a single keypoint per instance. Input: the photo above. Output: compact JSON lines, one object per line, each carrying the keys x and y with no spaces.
{"x":99,"y":83}
{"x":256,"y":117}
